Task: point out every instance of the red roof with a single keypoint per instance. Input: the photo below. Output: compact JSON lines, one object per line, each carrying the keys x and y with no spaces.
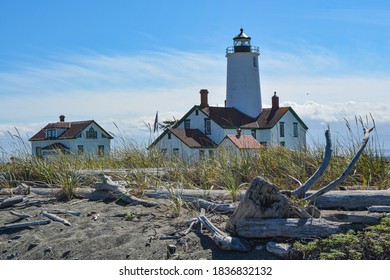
{"x":244,"y":141}
{"x":229,"y":117}
{"x":72,"y":130}
{"x":193,"y":138}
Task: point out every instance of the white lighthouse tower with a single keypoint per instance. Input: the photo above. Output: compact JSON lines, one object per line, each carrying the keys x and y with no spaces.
{"x":243,"y":79}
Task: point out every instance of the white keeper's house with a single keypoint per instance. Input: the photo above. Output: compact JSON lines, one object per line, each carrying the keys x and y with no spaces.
{"x":80,"y":137}
{"x":243,"y":123}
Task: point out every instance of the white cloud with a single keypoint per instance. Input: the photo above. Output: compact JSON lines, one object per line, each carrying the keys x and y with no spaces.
{"x":336,"y":112}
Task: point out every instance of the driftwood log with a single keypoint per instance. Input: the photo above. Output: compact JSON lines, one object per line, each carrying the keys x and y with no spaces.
{"x":353,"y":200}
{"x":346,"y":199}
{"x":288,"y":228}
{"x":379,"y":208}
{"x":20,"y":215}
{"x":55,"y":218}
{"x":23,"y":225}
{"x":21,"y":189}
{"x":9,"y":202}
{"x":353,"y":218}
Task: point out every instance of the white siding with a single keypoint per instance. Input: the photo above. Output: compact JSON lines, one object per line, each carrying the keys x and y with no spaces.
{"x":184,"y":152}
{"x":289,"y":140}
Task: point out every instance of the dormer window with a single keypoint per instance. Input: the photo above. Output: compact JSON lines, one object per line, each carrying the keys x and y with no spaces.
{"x":91,"y":134}
{"x":51,"y":133}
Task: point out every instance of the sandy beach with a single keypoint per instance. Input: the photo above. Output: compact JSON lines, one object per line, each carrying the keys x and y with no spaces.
{"x":110,"y":230}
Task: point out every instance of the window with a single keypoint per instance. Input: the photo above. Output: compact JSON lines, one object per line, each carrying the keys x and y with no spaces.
{"x":201,"y":154}
{"x":101,"y":150}
{"x":176,"y":152}
{"x":207,"y":126}
{"x":281,"y":129}
{"x":196,"y":112}
{"x":80,"y":149}
{"x":253,"y":131}
{"x":211,"y":153}
{"x":254,"y":62}
{"x":169,"y":135}
{"x":51,"y":133}
{"x":295,"y":127}
{"x":282,"y":143}
{"x":187,"y":124}
{"x":91,"y":134}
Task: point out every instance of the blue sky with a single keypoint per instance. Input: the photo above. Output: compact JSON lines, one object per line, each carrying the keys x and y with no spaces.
{"x":120,"y":61}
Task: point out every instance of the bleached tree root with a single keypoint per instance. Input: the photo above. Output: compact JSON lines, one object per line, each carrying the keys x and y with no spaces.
{"x":301,"y":191}
{"x":262,"y":200}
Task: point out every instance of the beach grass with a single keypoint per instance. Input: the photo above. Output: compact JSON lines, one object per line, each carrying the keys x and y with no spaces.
{"x":226,"y":170}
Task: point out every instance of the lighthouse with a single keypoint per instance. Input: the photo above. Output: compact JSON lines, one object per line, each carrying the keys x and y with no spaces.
{"x":243,"y":78}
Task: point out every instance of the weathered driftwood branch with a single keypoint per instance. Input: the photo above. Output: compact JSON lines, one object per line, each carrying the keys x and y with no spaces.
{"x":214,"y":207}
{"x":120,"y":192}
{"x":379,"y":208}
{"x":20,"y":215}
{"x":222,"y":239}
{"x":27,"y":224}
{"x":21,"y":189}
{"x":55,"y":218}
{"x":62,"y":211}
{"x":352,"y":218}
{"x":353,"y":200}
{"x":11,"y":201}
{"x":301,"y":191}
{"x":345,"y":173}
{"x":288,"y":228}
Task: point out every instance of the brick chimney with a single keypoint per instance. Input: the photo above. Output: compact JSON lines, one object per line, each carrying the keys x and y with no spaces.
{"x":275,"y":101}
{"x":203,"y":98}
{"x":62,"y":118}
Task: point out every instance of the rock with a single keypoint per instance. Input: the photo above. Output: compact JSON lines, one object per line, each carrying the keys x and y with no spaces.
{"x":279,"y":249}
{"x":12,"y":256}
{"x":171,"y":251}
{"x":48,"y":250}
{"x":65,"y":254}
{"x":259,"y":247}
{"x":31,"y":246}
{"x":16,"y":237}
